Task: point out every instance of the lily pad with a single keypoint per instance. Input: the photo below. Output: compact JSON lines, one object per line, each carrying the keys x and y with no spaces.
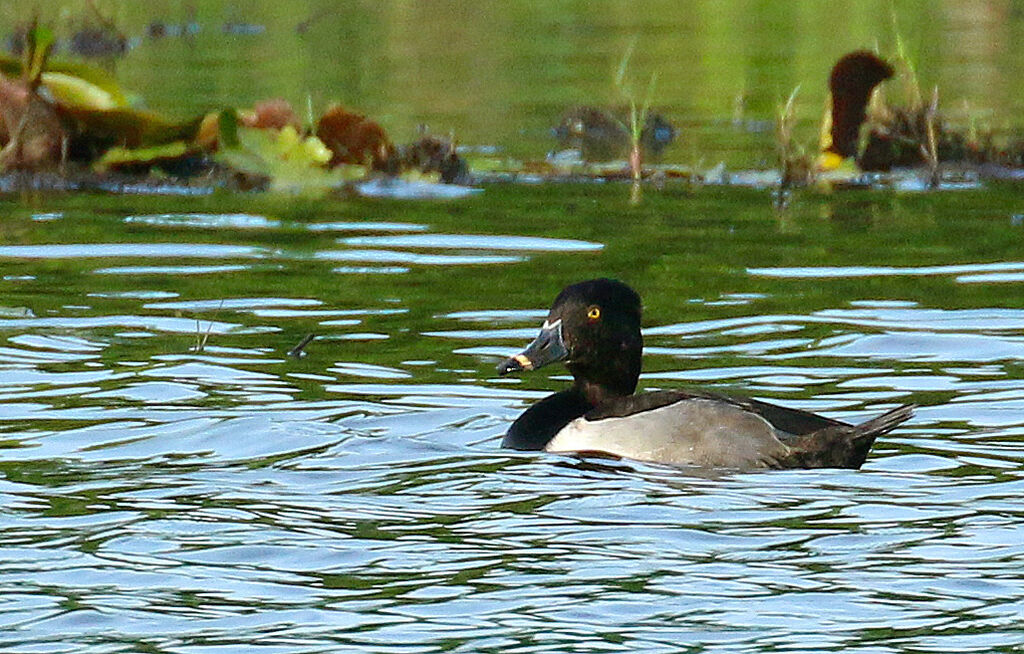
{"x":287,"y":160}
{"x":355,"y":139}
{"x":127,"y":127}
{"x":143,"y":158}
{"x":56,"y":72}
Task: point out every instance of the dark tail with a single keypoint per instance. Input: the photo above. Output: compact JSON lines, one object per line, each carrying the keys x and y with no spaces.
{"x":883,"y":424}
{"x":846,"y":446}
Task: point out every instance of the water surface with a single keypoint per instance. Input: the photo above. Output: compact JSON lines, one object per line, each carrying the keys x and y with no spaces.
{"x":172,"y":482}
{"x":161,"y":498}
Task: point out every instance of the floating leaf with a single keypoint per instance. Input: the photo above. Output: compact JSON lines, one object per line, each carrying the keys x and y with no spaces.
{"x":120,"y":158}
{"x":95,"y":110}
{"x":95,"y":76}
{"x":292,"y":146}
{"x":124,"y":127}
{"x":89,"y":74}
{"x":289,"y":161}
{"x":276,"y":113}
{"x":354,"y":139}
{"x":71,"y":91}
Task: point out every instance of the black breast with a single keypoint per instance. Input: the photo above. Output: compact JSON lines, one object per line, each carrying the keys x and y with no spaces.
{"x":540,"y":423}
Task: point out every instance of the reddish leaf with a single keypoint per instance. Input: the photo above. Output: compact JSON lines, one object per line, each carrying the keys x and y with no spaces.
{"x":276,"y":113}
{"x":30,"y":131}
{"x":354,"y":139}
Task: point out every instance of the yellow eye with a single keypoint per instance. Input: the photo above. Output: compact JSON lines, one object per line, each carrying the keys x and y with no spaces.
{"x":594,"y":313}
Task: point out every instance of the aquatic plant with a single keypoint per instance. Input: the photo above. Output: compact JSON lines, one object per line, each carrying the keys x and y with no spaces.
{"x":638,"y":113}
{"x":54,"y":113}
{"x":354,"y":139}
{"x":30,"y":130}
{"x":281,"y":159}
{"x":795,"y":165}
{"x":203,"y":337}
{"x":881,"y":136}
{"x":930,"y":148}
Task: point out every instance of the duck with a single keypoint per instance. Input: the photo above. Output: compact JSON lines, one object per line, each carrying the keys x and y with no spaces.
{"x":851,"y":83}
{"x":897,"y":136}
{"x":593,"y":327}
{"x":602,"y":135}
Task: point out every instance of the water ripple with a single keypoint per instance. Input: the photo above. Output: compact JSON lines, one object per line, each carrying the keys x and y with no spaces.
{"x":147,"y":250}
{"x":825,"y":272}
{"x":180,"y":485}
{"x":474,"y":242}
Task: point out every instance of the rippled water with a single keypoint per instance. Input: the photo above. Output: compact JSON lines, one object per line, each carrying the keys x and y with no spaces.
{"x":172,"y":482}
{"x":159,"y":498}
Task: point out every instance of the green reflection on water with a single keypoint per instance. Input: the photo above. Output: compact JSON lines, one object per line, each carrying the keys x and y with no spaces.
{"x":687,"y":251}
{"x":500,"y":73}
